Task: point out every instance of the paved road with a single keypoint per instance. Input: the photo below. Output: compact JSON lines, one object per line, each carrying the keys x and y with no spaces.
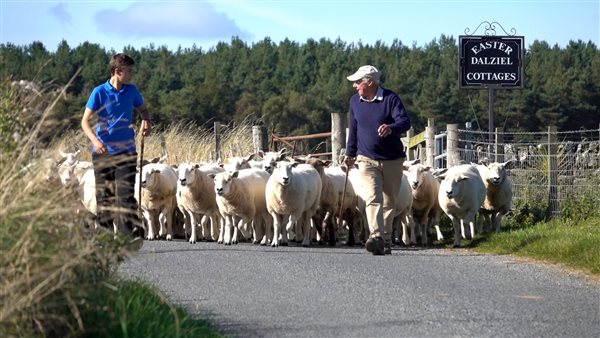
{"x":253,"y":291}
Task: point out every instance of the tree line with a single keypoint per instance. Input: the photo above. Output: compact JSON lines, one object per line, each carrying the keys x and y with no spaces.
{"x":291,"y":88}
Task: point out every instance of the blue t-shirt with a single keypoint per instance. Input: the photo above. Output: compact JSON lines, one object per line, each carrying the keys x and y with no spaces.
{"x":366,"y":117}
{"x":115,"y":116}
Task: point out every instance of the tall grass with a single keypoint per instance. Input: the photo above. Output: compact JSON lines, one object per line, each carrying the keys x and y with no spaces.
{"x":56,"y":280}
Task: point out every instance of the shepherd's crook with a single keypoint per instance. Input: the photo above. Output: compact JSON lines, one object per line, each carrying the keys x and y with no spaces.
{"x":340,"y":221}
{"x":141,"y":164}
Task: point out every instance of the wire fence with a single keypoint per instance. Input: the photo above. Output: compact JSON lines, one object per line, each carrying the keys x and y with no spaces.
{"x":546,"y":169}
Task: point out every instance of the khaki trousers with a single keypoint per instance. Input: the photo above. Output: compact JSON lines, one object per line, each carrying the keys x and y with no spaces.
{"x":380,"y":181}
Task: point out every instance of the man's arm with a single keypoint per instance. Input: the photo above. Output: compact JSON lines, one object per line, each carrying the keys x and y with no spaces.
{"x":89,"y":132}
{"x":146,"y":121}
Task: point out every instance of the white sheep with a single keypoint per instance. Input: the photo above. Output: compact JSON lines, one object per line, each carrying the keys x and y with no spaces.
{"x":269,"y":159}
{"x":461,"y":194}
{"x":292,"y":194}
{"x":196,"y":199}
{"x":403,"y":211}
{"x":159,"y":186}
{"x":426,"y":210}
{"x":240,"y":196}
{"x":498,"y":197}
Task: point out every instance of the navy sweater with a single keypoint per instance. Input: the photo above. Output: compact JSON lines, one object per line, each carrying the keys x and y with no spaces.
{"x":366,"y":117}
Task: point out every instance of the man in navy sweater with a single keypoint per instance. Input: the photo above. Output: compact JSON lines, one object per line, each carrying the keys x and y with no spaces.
{"x":377,"y":119}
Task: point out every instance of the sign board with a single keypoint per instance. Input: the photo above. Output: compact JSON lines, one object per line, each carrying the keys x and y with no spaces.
{"x":491,"y":61}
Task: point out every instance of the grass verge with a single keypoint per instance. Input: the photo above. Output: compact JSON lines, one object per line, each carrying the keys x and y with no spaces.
{"x":573,"y":244}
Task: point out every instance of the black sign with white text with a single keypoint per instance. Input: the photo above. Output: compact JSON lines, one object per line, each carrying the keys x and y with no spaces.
{"x":491,"y":61}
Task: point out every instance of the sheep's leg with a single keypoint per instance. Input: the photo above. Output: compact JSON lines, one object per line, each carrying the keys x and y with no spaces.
{"x":268,"y":233}
{"x":152,"y":217}
{"x":243,"y":228}
{"x":293,"y":223}
{"x":306,"y":229}
{"x":215,"y":228}
{"x":497,"y":219}
{"x":191,"y":219}
{"x":457,"y":224}
{"x":436,"y":224}
{"x":221,"y":239}
{"x":169,"y":223}
{"x":228,"y":229}
{"x":277,"y":222}
{"x":470,"y":218}
{"x":414,"y":229}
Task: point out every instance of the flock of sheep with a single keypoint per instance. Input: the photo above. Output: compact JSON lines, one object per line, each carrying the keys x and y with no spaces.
{"x":269,"y":198}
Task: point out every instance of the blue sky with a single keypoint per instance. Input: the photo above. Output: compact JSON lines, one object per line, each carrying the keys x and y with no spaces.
{"x":115,"y":24}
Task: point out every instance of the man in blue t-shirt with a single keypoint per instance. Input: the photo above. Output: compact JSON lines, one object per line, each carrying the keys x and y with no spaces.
{"x":113,"y":145}
{"x":377,"y":119}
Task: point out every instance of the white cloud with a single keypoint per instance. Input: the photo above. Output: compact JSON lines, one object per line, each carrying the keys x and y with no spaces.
{"x":60,"y":12}
{"x":196,"y":20}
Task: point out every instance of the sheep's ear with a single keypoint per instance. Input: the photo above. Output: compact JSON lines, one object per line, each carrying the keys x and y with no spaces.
{"x":509,"y":164}
{"x":260,"y":154}
{"x":155,"y":171}
{"x":235,"y":174}
{"x":295,"y":164}
{"x":212,"y":175}
{"x":440,"y":173}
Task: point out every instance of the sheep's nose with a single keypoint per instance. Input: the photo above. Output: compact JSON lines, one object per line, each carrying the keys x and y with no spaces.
{"x":183,"y":181}
{"x":415,"y":184}
{"x":286,"y":180}
{"x":449,"y":193}
{"x":219,"y":191}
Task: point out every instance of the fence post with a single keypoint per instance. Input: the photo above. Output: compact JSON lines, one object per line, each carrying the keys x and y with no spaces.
{"x":499,"y":144}
{"x":452,"y":150}
{"x":552,"y":171}
{"x":259,"y":139}
{"x":430,"y":142}
{"x":217,"y":132}
{"x":409,"y":134}
{"x":338,"y":135}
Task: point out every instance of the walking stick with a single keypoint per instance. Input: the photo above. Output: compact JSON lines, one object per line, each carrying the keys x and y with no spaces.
{"x":141,"y":220}
{"x":340,"y":222}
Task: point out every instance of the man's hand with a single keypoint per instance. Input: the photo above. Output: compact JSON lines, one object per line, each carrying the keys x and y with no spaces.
{"x":349,"y":162}
{"x":99,"y":146}
{"x":384,"y":130}
{"x":146,"y":127}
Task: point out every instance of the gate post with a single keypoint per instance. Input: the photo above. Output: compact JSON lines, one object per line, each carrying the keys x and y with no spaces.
{"x":259,"y":139}
{"x":338,"y":136}
{"x":499,"y":151}
{"x":553,"y":207}
{"x":217,"y":132}
{"x":430,"y":142}
{"x":452,"y":150}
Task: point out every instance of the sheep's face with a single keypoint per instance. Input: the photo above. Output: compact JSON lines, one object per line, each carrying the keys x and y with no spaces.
{"x":236,"y":163}
{"x":150,"y":177}
{"x":452,"y":185}
{"x":186,"y":174}
{"x":270,"y":160}
{"x":70,"y":158}
{"x":414,"y":174}
{"x":65,"y":173}
{"x":283,"y":172}
{"x":496,"y":173}
{"x":223,"y":182}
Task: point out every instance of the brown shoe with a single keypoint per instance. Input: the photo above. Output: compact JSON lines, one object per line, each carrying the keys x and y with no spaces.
{"x":375,"y":245}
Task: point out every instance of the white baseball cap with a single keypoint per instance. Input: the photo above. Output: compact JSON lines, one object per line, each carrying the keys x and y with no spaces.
{"x":364,"y":71}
